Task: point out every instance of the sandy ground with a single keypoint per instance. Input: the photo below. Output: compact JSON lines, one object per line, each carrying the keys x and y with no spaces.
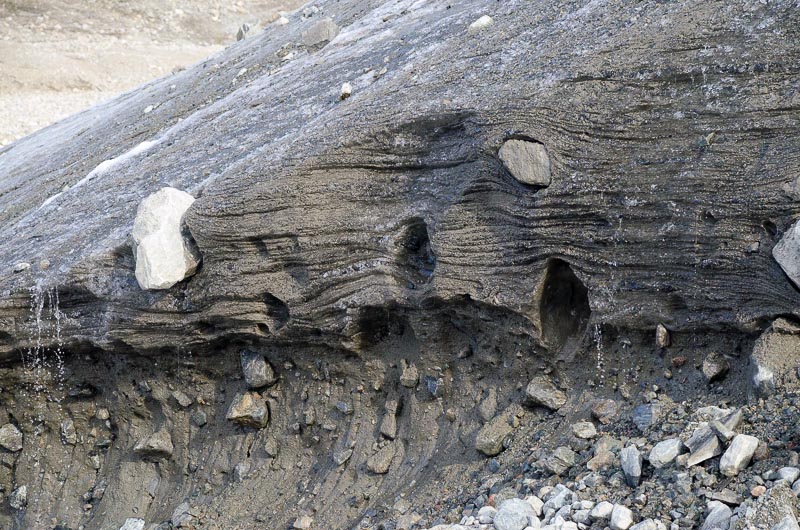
{"x":58,"y":57}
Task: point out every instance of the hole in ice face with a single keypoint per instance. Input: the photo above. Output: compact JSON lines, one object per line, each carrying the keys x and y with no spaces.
{"x":415,"y":255}
{"x":563,"y":308}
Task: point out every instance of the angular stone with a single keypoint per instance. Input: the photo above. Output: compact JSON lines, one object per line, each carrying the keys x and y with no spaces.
{"x":631,"y":462}
{"x":646,"y":415}
{"x":156,"y":446}
{"x":715,"y":367}
{"x":665,"y":452}
{"x":340,"y":457}
{"x":738,"y":455}
{"x":721,"y":431}
{"x":182,"y":399}
{"x":703,"y":444}
{"x":527,"y":161}
{"x":514,"y":514}
{"x":541,"y":391}
{"x":584,"y":430}
{"x":775,"y":357}
{"x":249,"y":409}
{"x":68,"y":434}
{"x":605,"y":410}
{"x":787,"y":474}
{"x":719,"y":516}
{"x":787,"y":253}
{"x":389,"y":423}
{"x":303,"y":522}
{"x":409,"y":377}
{"x":662,"y":336}
{"x":165,"y":255}
{"x":787,"y":523}
{"x":11,"y":437}
{"x":647,"y":524}
{"x":381,"y":461}
{"x":19,"y":498}
{"x":488,"y":407}
{"x":560,"y":460}
{"x":486,"y":514}
{"x":257,"y":371}
{"x":601,"y":511}
{"x":621,"y":518}
{"x":490,"y":438}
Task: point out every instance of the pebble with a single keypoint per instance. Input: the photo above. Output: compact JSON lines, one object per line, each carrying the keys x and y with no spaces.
{"x":249,"y":409}
{"x":482,"y":23}
{"x":527,"y":161}
{"x":380,"y":462}
{"x":20,"y":267}
{"x":19,"y":498}
{"x":514,"y":514}
{"x":156,"y":446}
{"x":303,"y":522}
{"x":346,"y":91}
{"x":758,"y":491}
{"x":409,"y":377}
{"x":132,"y":523}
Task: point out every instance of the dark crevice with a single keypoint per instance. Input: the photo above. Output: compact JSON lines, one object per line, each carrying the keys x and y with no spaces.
{"x":415,"y":256}
{"x":564,"y":308}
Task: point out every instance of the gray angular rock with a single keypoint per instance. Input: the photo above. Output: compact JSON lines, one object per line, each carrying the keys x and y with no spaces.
{"x":787,"y":253}
{"x":133,"y":523}
{"x":704,"y":443}
{"x":646,"y":415}
{"x":560,"y":460}
{"x":340,"y":457}
{"x":647,"y":524}
{"x":156,"y":446}
{"x":389,"y":423}
{"x":541,"y":391}
{"x":68,"y":434}
{"x":165,"y":254}
{"x":787,"y":523}
{"x":738,"y":454}
{"x":605,"y":410}
{"x":11,"y":437}
{"x":490,"y":439}
{"x":601,"y":511}
{"x":257,"y":371}
{"x":249,"y":409}
{"x":665,"y":452}
{"x":584,"y":430}
{"x":715,"y":367}
{"x":381,"y":461}
{"x":719,"y":516}
{"x":631,"y":462}
{"x":514,"y":514}
{"x":621,"y":518}
{"x":409,"y":376}
{"x":18,"y":499}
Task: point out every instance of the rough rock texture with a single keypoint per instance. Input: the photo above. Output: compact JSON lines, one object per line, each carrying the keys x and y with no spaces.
{"x":164,"y":254}
{"x":341,"y":236}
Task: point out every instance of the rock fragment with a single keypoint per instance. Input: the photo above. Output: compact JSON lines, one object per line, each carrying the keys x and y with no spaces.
{"x":605,"y":410}
{"x":584,"y":430}
{"x":19,"y":498}
{"x":68,"y":434}
{"x":346,"y":91}
{"x":646,"y":415}
{"x":601,"y":511}
{"x":488,"y":407}
{"x":738,"y":455}
{"x":249,"y":409}
{"x":482,"y":23}
{"x":303,"y":522}
{"x":258,"y":373}
{"x":409,"y":377}
{"x":527,"y":161}
{"x":631,"y":461}
{"x":389,"y":424}
{"x":662,"y":336}
{"x":11,"y":437}
{"x":719,"y":516}
{"x":514,"y":514}
{"x":715,"y":367}
{"x":490,"y":439}
{"x":541,"y":391}
{"x":560,"y":460}
{"x":665,"y":452}
{"x":341,"y":457}
{"x":621,"y":518}
{"x":156,"y":446}
{"x":787,"y":523}
{"x":182,"y":399}
{"x":165,"y":254}
{"x":380,"y":462}
{"x":787,"y":253}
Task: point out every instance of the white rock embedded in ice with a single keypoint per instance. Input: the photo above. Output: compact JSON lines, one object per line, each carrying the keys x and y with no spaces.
{"x":164,"y":255}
